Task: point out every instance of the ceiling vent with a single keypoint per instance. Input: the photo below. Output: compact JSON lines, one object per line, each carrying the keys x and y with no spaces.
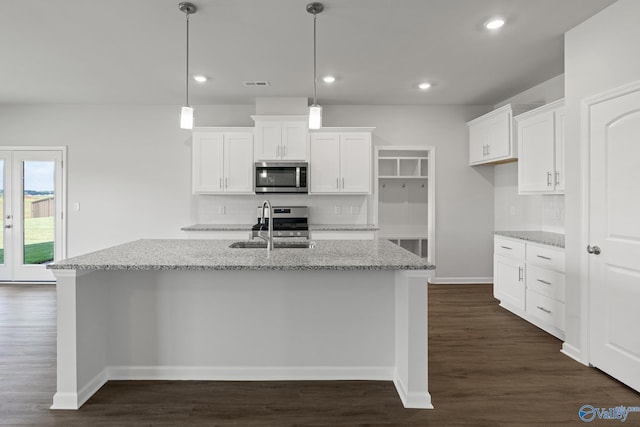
{"x":256,"y":83}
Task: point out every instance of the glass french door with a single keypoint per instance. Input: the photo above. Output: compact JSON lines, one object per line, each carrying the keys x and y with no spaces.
{"x":31,"y":206}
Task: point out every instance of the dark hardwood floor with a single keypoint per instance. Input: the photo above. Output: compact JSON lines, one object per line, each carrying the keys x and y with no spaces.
{"x":486,"y":368}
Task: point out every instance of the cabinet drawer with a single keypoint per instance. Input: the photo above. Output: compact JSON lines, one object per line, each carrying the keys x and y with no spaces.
{"x":546,"y":282}
{"x":547,"y":310}
{"x":546,"y":256}
{"x":509,"y":248}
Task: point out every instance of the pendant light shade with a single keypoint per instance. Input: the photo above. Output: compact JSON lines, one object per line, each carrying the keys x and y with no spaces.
{"x":186,"y":115}
{"x":315,"y":117}
{"x":315,"y":111}
{"x":186,"y":118}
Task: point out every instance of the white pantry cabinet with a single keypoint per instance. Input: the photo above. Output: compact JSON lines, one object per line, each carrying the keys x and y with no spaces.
{"x":280,"y":137}
{"x":529,"y":281}
{"x":340,"y":161}
{"x":491,"y":136}
{"x":541,"y":149}
{"x":222,"y":161}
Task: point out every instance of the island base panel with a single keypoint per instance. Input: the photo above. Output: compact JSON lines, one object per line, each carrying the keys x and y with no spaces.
{"x":241,"y":325}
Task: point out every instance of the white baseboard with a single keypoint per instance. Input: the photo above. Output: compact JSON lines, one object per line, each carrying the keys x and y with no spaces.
{"x":412,"y":400}
{"x":241,"y":373}
{"x":461,"y":280}
{"x":573,"y":352}
{"x":75,"y":401}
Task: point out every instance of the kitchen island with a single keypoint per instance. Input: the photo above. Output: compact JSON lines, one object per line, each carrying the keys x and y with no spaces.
{"x":200,"y":310}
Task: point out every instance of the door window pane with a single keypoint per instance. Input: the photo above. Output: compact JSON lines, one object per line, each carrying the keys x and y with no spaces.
{"x":39,"y":209}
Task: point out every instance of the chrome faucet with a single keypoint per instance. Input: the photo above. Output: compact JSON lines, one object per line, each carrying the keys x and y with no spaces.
{"x":269,"y":238}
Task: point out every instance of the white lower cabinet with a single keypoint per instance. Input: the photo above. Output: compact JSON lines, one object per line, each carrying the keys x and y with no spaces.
{"x":529,"y":280}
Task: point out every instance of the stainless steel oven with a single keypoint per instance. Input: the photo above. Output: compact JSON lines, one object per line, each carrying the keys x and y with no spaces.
{"x":281,"y":177}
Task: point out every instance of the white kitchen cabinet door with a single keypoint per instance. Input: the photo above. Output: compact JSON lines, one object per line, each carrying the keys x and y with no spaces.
{"x":325,"y":163}
{"x":559,"y":179}
{"x":508,"y":281}
{"x":280,"y":138}
{"x":208,"y":162}
{"x":268,"y":140}
{"x":222,"y":162}
{"x":355,"y":163}
{"x":294,"y":140}
{"x":536,"y":145}
{"x":490,"y":139}
{"x":541,"y":150}
{"x":238,"y":162}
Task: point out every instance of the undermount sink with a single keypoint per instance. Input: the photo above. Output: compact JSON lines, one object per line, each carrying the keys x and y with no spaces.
{"x":258,"y":244}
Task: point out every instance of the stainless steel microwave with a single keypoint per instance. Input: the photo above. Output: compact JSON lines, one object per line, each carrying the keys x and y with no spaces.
{"x":281,"y":177}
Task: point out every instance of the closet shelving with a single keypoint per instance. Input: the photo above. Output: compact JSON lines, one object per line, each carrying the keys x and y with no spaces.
{"x":405,"y":197}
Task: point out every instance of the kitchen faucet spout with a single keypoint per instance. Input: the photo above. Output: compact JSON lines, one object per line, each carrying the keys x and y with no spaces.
{"x":269,"y":238}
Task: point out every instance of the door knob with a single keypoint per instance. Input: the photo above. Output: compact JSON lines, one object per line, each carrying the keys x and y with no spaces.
{"x":593,"y":250}
{"x":7,"y":226}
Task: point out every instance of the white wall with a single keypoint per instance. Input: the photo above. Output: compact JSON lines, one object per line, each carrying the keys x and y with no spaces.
{"x":600,"y":54}
{"x":129,"y":167}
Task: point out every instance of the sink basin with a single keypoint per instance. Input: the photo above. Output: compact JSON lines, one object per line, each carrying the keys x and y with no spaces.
{"x":259,"y":244}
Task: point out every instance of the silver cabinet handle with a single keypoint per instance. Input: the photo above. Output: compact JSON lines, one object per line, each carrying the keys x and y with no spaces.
{"x":593,"y":250}
{"x":278,"y":151}
{"x":543,"y":309}
{"x":548,"y":179}
{"x":488,"y":149}
{"x":544,"y":257}
{"x":220,"y":184}
{"x":543,"y":281}
{"x":284,"y":151}
{"x":337,"y":183}
{"x":520,"y":274}
{"x":506,"y":247}
{"x":557,"y":178}
{"x":226,"y":183}
{"x":343,"y":183}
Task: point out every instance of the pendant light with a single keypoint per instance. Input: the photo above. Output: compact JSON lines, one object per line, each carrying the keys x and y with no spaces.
{"x":186,"y":115}
{"x":315,"y":111}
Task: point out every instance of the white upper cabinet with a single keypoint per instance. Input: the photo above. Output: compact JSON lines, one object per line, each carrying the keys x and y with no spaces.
{"x":541,"y":147}
{"x":222,"y":161}
{"x":280,"y":137}
{"x":340,"y":162}
{"x":491,"y":136}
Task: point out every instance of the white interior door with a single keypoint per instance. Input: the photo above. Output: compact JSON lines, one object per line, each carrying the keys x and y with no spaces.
{"x":614,"y":235}
{"x":32,"y":213}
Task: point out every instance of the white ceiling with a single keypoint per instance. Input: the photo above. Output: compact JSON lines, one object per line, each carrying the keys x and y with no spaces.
{"x":133,"y":52}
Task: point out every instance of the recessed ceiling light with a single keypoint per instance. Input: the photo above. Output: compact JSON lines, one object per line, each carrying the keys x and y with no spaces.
{"x":424,"y":85}
{"x":494,"y":24}
{"x":328,"y":79}
{"x":200,"y":78}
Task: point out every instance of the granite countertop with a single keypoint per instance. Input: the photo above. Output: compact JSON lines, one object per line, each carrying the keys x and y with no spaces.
{"x":199,"y":254}
{"x":542,"y":237}
{"x":218,"y":227}
{"x":343,"y":227}
{"x":312,"y":227}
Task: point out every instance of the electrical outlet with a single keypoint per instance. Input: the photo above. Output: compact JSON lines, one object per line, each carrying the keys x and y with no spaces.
{"x":221,"y":210}
{"x":512,"y":210}
{"x":337,"y":210}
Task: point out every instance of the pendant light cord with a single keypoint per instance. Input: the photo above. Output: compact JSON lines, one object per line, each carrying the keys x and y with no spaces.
{"x":315,"y":78}
{"x":187,"y":76}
